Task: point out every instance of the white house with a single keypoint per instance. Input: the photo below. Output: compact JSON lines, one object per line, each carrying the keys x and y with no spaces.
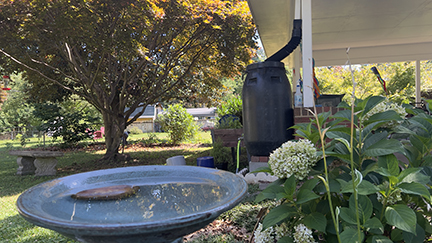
{"x":146,"y":122}
{"x":204,"y":117}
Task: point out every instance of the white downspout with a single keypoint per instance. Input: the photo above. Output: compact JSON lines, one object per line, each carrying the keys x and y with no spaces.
{"x":297,"y":53}
{"x":308,"y":97}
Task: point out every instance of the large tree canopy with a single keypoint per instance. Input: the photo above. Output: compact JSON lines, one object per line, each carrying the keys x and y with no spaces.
{"x":120,"y":54}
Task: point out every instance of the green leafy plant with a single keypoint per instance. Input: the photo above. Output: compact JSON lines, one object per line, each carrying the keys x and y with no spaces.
{"x":178,"y":123}
{"x":220,"y":153}
{"x":229,"y":122}
{"x":230,"y":114}
{"x":359,"y":191}
{"x":233,"y":106}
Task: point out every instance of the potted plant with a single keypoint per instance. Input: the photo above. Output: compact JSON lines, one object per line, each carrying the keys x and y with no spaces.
{"x":221,"y":155}
{"x":229,"y":126}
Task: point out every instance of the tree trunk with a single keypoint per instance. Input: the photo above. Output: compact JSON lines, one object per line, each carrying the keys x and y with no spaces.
{"x":114,"y":128}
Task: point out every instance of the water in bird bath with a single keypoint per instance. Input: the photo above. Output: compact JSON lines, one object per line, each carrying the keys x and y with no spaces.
{"x":150,"y":202}
{"x":168,"y":203}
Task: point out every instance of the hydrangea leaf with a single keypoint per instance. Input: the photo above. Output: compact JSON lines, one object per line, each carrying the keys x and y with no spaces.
{"x":389,"y":162}
{"x":389,"y":115}
{"x":286,"y":239}
{"x":263,"y":169}
{"x":343,"y":114}
{"x":419,"y":237}
{"x":348,"y":215}
{"x":384,"y":147}
{"x":279,"y":214}
{"x":371,"y":103}
{"x":415,"y":188}
{"x":271,"y":192}
{"x":290,"y":187}
{"x":310,"y":184}
{"x":316,"y":221}
{"x":370,"y":168}
{"x":364,"y":205}
{"x":338,"y":134}
{"x":381,"y":239}
{"x":365,"y":188}
{"x":419,"y":143}
{"x":374,"y":226}
{"x":402,"y":217}
{"x":351,"y":235}
{"x":396,"y":235}
{"x":371,"y":139}
{"x":413,"y":175}
{"x":305,"y":196}
{"x":370,"y":127}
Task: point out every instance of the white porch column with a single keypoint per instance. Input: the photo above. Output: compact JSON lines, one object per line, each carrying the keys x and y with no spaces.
{"x":297,"y":64}
{"x":308,"y":97}
{"x":417,"y":84}
{"x":297,"y":52}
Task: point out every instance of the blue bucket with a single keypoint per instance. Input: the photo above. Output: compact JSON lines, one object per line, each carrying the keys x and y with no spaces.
{"x":207,"y":161}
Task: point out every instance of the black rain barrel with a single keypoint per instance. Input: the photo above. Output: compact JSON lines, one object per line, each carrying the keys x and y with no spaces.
{"x":267,"y":108}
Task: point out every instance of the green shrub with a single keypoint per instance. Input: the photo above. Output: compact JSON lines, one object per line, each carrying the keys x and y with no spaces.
{"x":220,"y":153}
{"x":358,"y":191}
{"x":135,"y":130}
{"x":72,"y":126}
{"x":178,"y":123}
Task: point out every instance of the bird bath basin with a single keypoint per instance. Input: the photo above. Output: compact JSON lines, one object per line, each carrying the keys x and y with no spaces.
{"x":166,"y":203}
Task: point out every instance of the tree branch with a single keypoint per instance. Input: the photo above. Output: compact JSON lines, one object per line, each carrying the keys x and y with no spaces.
{"x":37,"y":71}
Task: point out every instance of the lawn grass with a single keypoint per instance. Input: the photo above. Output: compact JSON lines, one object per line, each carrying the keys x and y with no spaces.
{"x":13,"y":228}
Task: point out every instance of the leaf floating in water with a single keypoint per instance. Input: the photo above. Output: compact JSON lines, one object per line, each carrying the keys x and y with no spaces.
{"x":106,"y":193}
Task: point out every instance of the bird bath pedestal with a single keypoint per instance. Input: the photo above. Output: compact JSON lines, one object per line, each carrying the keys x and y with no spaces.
{"x":163,"y":203}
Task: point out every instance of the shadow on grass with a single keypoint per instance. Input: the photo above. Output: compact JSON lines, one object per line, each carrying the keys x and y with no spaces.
{"x":138,"y":158}
{"x":153,"y":156}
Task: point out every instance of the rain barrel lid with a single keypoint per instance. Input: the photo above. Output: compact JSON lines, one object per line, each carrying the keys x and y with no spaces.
{"x":266,"y":64}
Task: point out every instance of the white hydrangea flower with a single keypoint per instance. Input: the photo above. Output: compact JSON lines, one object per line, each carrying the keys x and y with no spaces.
{"x":270,"y":234}
{"x":263,"y":236}
{"x":281,"y":231}
{"x":303,"y":234}
{"x":385,"y":106}
{"x":293,"y":158}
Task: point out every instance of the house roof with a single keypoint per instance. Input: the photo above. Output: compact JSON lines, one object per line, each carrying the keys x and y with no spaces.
{"x":375,"y":31}
{"x":202,"y":112}
{"x":149,"y":112}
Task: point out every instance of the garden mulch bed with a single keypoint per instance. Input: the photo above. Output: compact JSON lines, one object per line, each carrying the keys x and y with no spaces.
{"x":218,"y":227}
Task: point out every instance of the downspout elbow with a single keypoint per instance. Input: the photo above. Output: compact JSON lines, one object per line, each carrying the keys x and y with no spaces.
{"x":292,"y":44}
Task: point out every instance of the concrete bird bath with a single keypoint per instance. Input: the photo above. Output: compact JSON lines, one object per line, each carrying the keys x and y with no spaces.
{"x":164,"y":203}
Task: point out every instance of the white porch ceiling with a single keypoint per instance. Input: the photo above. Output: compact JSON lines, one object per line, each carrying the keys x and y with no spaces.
{"x":376,"y":31}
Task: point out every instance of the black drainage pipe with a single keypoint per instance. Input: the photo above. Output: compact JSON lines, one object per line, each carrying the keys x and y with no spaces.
{"x":292,"y":44}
